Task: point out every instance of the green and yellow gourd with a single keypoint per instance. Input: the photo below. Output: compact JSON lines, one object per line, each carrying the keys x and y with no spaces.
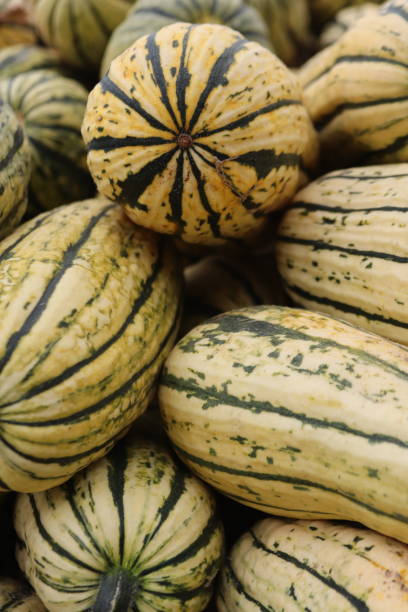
{"x":314,"y":565}
{"x":15,"y":24}
{"x":343,"y":20}
{"x":355,"y":91}
{"x":84,"y":331}
{"x":51,"y":108}
{"x":293,"y":413}
{"x":79,"y":29}
{"x":288,"y":22}
{"x":173,"y":135}
{"x":134,"y":531}
{"x":342,"y":248}
{"x":15,"y":170}
{"x":149,"y":16}
{"x":15,"y":596}
{"x":17,"y":59}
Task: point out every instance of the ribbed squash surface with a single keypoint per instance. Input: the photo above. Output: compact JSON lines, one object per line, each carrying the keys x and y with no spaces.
{"x":342,"y":248}
{"x":136,"y":510}
{"x":294,"y":413}
{"x":17,"y":597}
{"x":314,"y":565}
{"x":88,"y":311}
{"x":199,"y":133}
{"x":15,"y":170}
{"x":17,"y":59}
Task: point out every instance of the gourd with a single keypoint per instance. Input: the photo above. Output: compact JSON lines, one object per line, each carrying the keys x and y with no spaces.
{"x":15,"y":170}
{"x":15,"y":24}
{"x":355,"y":91}
{"x":288,"y":22}
{"x":132,"y":531}
{"x":149,"y":16}
{"x":79,"y":29}
{"x":294,"y":413}
{"x":324,"y":10}
{"x":174,"y":136}
{"x":51,"y":109}
{"x":314,"y":565}
{"x":16,"y":596}
{"x":343,"y":20}
{"x":17,"y":59}
{"x":89,"y":309}
{"x":342,"y":248}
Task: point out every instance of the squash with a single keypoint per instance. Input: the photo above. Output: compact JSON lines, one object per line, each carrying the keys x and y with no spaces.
{"x":84,"y":331}
{"x":16,"y":596}
{"x":294,"y":413}
{"x":343,"y":20}
{"x":51,"y":108}
{"x":355,"y":91}
{"x":314,"y":565}
{"x":324,"y":10}
{"x":23,"y":58}
{"x":149,"y":16}
{"x":79,"y":29}
{"x":15,"y":170}
{"x":134,"y":531}
{"x":15,"y":24}
{"x":288,"y":22}
{"x":342,"y":248}
{"x":174,"y":135}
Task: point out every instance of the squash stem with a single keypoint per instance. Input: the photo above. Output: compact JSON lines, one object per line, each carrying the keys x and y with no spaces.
{"x":116,"y":592}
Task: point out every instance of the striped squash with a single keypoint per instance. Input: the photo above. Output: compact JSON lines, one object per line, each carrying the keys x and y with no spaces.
{"x":218,"y":283}
{"x":51,"y":108}
{"x":355,"y":91}
{"x":15,"y":170}
{"x":23,"y":58}
{"x":324,"y":10}
{"x":294,"y":413}
{"x":134,"y":531}
{"x":288,"y":22}
{"x":79,"y":29}
{"x":314,"y":565}
{"x":88,"y":312}
{"x":15,"y":596}
{"x":342,"y":248}
{"x":15,"y":25}
{"x":173,"y":134}
{"x":149,"y":16}
{"x":343,"y":20}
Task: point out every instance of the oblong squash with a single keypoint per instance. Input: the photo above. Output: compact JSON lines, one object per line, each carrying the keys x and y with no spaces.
{"x":294,"y":413}
{"x":135,"y":531}
{"x":342,"y":248}
{"x":314,"y":565}
{"x":174,"y":135}
{"x":15,"y":170}
{"x":88,"y":311}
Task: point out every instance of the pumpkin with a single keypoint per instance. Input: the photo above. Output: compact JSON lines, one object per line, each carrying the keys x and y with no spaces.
{"x":355,"y":91}
{"x":134,"y":531}
{"x":79,"y":29}
{"x":84,"y":331}
{"x":294,"y":413}
{"x":15,"y":170}
{"x":51,"y":108}
{"x":174,"y":135}
{"x":314,"y":565}
{"x":149,"y":16}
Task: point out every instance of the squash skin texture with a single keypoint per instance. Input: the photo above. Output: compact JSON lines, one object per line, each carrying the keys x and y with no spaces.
{"x":167,"y":135}
{"x":135,"y":509}
{"x":294,"y":413}
{"x":84,"y":331}
{"x":15,"y":595}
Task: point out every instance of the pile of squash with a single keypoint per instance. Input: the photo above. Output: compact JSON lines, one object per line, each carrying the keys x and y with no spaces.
{"x":204,"y":305}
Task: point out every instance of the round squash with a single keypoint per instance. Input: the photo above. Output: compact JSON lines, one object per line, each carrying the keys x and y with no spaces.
{"x":294,"y":413}
{"x":355,"y":91}
{"x":51,"y":108}
{"x":314,"y":565}
{"x":134,"y":531}
{"x":15,"y":24}
{"x":342,"y":248}
{"x":149,"y":16}
{"x":174,"y":135}
{"x":288,"y":22}
{"x":17,"y":59}
{"x":79,"y":29}
{"x":18,"y":597}
{"x":89,"y":309}
{"x":15,"y":170}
